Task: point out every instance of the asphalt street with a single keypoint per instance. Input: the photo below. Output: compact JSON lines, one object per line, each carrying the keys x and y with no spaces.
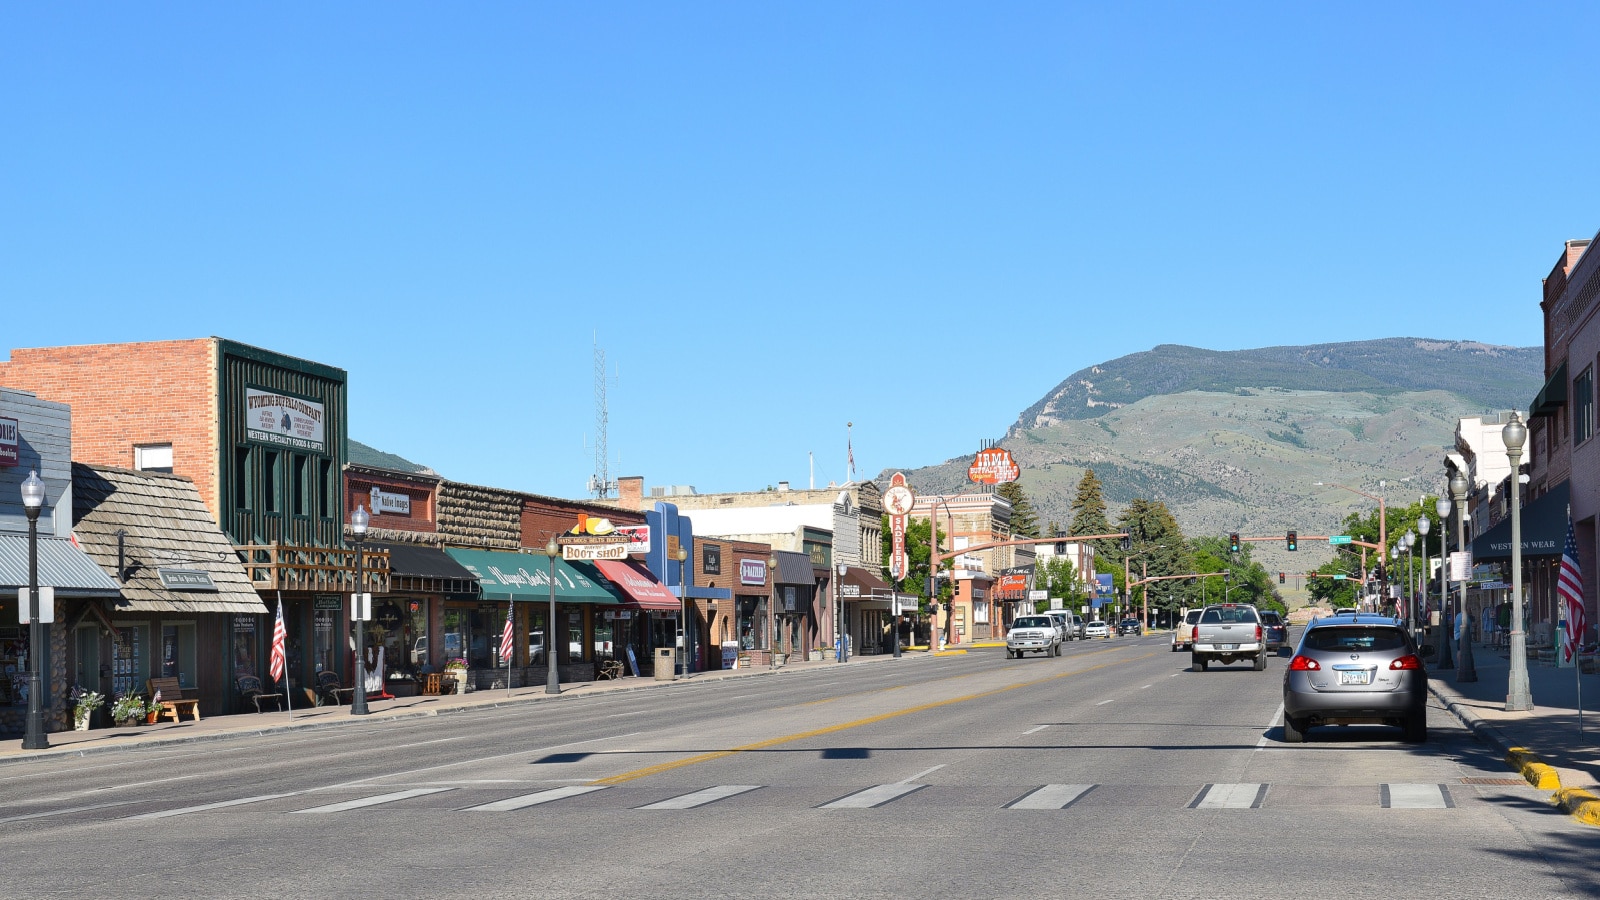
{"x":1112,"y":771}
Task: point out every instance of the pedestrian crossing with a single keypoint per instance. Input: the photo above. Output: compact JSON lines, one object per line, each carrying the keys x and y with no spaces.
{"x":1217,"y":796}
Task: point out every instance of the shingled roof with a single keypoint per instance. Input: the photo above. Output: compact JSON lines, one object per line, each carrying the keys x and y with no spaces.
{"x":167,"y":525}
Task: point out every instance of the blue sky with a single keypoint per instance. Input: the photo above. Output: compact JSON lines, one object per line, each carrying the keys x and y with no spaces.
{"x":775,"y":218}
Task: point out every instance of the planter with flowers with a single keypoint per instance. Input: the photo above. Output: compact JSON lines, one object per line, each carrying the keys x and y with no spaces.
{"x":129,"y":709}
{"x":152,"y":709}
{"x":84,"y":703}
{"x":456,"y":670}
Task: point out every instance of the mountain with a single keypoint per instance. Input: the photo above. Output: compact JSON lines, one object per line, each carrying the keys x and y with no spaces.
{"x":1234,"y":441}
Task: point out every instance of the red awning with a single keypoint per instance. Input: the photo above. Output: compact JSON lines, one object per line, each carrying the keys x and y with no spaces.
{"x":641,"y":590}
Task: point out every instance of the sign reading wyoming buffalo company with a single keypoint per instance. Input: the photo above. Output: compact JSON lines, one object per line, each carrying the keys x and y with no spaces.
{"x":10,"y":442}
{"x":286,"y":421}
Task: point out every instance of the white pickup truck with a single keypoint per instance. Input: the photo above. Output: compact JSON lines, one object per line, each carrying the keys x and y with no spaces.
{"x":1226,"y":632}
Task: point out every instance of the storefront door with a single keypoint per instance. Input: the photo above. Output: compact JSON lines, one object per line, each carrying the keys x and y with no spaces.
{"x":86,"y":674}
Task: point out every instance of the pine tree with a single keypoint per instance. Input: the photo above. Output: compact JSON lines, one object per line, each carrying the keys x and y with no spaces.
{"x":1024,"y":519}
{"x":1089,"y":512}
{"x":1158,"y":549}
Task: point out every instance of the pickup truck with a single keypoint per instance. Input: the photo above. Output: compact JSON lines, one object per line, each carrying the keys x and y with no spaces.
{"x":1228,"y":632}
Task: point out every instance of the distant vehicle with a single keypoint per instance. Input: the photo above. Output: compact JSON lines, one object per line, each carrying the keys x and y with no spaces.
{"x":1096,"y":629}
{"x":1226,"y":632}
{"x":1352,"y":670}
{"x":1183,"y":635}
{"x":1275,"y":631}
{"x":1033,"y":634}
{"x":1070,"y":625}
{"x":1130,"y":626}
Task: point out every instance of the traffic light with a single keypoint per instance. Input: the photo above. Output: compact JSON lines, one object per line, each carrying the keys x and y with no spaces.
{"x":1280,"y":578}
{"x":1233,"y":542}
{"x":1294,"y":541}
{"x":1127,"y":542}
{"x":1061,"y":548}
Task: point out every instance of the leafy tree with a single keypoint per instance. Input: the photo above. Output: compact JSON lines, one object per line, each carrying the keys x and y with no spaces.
{"x":1089,"y":513}
{"x":1339,"y":594}
{"x":1024,"y":518}
{"x":1158,"y":549}
{"x":918,"y":555}
{"x":1055,"y":576}
{"x":1246,"y":580}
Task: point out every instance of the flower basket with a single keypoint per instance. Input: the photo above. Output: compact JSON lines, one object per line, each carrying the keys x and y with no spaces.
{"x":84,"y":703}
{"x":129,"y":710}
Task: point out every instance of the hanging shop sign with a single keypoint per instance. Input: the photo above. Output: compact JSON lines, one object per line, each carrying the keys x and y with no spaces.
{"x":752,"y":571}
{"x":186,"y":579}
{"x":10,"y":442}
{"x":993,"y":466}
{"x":638,"y":537}
{"x":272,"y":418}
{"x":897,"y":501}
{"x":710,"y":559}
{"x":393,"y":504}
{"x":327,"y":601}
{"x":596,"y":550}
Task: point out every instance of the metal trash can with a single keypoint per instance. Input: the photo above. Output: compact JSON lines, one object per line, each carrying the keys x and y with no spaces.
{"x":666,"y":663}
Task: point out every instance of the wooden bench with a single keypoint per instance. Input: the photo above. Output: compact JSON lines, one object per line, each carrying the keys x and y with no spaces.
{"x":172,"y":699}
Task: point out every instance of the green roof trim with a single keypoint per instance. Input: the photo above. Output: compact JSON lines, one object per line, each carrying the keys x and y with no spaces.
{"x":526,"y":576}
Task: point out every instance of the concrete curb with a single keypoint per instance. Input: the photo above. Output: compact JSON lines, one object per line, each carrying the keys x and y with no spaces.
{"x":1578,"y":803}
{"x":1533,"y":769}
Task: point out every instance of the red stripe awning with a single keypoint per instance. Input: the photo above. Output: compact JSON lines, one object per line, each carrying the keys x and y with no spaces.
{"x":641,"y":590}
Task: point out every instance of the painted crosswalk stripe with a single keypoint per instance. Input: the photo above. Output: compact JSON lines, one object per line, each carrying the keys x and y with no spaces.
{"x":166,"y":813}
{"x":873,"y":797}
{"x":1417,"y":796}
{"x":534,"y":799}
{"x":1051,"y":796}
{"x":701,"y":798}
{"x":374,"y":801}
{"x":1230,"y":796}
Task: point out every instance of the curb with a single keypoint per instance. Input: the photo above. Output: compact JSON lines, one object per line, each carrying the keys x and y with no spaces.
{"x":1533,"y":769}
{"x":1578,"y":803}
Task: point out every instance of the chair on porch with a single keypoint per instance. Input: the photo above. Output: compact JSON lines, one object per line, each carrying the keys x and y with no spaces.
{"x":250,"y":690}
{"x":330,"y":692}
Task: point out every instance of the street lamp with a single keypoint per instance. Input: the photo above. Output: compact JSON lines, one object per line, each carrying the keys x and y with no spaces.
{"x":1410,"y":540}
{"x":1423,"y":527}
{"x":32,"y":500}
{"x":838,"y":596}
{"x":552,"y":678}
{"x":1442,"y":654}
{"x":1518,"y":697}
{"x":1465,"y":670}
{"x":772,"y":612}
{"x":682,"y":556}
{"x":358,"y":700}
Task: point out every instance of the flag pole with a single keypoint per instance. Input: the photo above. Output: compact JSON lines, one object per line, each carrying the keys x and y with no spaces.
{"x":288,"y":698}
{"x":511,"y":619}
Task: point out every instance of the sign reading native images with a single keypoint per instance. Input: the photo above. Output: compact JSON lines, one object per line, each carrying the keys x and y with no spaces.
{"x":271,"y":418}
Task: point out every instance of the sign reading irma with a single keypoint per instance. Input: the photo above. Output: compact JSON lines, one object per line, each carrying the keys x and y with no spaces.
{"x":10,"y":442}
{"x":993,"y":466}
{"x":283,"y":420}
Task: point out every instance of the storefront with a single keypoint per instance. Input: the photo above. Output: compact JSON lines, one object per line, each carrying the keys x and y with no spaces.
{"x":648,"y":616}
{"x":429,"y":593}
{"x":794,"y":625}
{"x":868,"y":610}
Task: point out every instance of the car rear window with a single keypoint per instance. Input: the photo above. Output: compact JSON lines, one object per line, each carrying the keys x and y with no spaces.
{"x":1228,"y":615}
{"x":1270,"y":618}
{"x":1035,"y":622}
{"x":1355,"y":639}
{"x":1192,"y":617}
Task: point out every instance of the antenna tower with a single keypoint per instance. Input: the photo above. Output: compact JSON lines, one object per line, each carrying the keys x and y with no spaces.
{"x":600,"y":484}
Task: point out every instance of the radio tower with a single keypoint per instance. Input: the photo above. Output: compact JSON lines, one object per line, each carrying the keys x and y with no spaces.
{"x":600,"y":482}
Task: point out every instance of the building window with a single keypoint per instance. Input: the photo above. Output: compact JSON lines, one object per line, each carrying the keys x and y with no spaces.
{"x":1583,"y":406}
{"x":153,"y":458}
{"x":297,"y":486}
{"x":241,"y":477}
{"x":325,"y":487}
{"x":271,"y":483}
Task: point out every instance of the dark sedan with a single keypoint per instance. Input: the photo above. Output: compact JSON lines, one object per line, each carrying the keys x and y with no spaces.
{"x":1275,"y":631}
{"x":1130,"y":626}
{"x":1360,"y":669}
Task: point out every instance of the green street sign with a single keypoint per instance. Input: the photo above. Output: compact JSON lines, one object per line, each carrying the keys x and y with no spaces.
{"x":1339,"y":539}
{"x":1339,"y":577}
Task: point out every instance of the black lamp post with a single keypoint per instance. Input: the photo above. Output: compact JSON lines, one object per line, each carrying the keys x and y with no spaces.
{"x":772,"y":611}
{"x":358,"y":699}
{"x":682,"y":556}
{"x":552,"y":680}
{"x":34,"y":737}
{"x":1446,"y":618}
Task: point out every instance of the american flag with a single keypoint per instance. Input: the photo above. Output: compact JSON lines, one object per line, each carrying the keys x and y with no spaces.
{"x":1569,"y":587}
{"x":276,"y":666}
{"x":505,"y":636}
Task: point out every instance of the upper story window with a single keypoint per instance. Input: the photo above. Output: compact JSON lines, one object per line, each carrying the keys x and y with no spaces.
{"x":1583,"y":406}
{"x":153,"y":458}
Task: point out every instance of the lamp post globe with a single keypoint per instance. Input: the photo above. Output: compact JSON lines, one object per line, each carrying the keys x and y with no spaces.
{"x":358,"y":698}
{"x":33,"y":737}
{"x":1518,"y":696}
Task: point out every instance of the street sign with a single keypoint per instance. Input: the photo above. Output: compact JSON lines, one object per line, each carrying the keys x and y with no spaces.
{"x":1339,"y":539}
{"x":1339,"y":577}
{"x":1460,"y":565}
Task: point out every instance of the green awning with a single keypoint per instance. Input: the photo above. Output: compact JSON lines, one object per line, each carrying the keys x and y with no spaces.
{"x":526,"y":576}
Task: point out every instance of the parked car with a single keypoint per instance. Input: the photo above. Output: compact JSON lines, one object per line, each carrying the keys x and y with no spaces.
{"x":1130,"y":626}
{"x":1183,"y":635}
{"x":1033,"y":634}
{"x":1355,"y":669}
{"x":1275,"y":630}
{"x":1096,"y":629}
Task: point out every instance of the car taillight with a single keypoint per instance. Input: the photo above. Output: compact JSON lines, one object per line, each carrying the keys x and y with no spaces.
{"x":1258,"y":634}
{"x":1409,"y":661}
{"x":1303,"y":664}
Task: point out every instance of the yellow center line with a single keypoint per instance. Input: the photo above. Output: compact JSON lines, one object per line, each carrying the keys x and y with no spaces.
{"x":844,"y":726}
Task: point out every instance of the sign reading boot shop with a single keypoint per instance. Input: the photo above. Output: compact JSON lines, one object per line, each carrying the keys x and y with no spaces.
{"x":272,"y":418}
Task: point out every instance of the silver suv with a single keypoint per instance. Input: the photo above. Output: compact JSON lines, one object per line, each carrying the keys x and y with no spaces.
{"x":1355,"y":669}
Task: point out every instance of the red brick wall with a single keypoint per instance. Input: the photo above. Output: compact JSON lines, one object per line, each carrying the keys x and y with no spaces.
{"x":544,"y":516}
{"x":127,"y":394}
{"x":358,"y":489}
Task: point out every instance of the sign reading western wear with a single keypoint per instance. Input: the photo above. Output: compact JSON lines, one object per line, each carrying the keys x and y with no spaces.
{"x":283,"y":420}
{"x":10,"y":442}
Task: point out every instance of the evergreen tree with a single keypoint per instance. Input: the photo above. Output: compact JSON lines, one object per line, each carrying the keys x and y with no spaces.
{"x":1158,"y":549}
{"x":1024,"y":518}
{"x":1089,"y":512}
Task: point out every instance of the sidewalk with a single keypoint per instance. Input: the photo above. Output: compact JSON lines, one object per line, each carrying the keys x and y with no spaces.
{"x":243,"y":725}
{"x":1550,"y":730}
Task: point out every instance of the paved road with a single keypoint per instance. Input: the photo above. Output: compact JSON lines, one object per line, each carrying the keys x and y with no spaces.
{"x":1110,"y":772}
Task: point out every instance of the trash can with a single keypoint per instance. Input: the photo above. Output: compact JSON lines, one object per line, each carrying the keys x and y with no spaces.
{"x":666,"y":662}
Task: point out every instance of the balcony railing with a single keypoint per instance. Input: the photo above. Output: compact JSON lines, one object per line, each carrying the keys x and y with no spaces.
{"x":286,"y":567}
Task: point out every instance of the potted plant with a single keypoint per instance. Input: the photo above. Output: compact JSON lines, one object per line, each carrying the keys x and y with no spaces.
{"x":128,"y":709}
{"x":457,"y":669}
{"x":152,"y":709}
{"x":84,"y":703}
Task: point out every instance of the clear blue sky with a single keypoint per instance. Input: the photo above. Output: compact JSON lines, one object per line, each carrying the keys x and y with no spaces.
{"x":776,"y":218}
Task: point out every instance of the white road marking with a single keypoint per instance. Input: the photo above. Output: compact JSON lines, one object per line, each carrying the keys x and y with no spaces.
{"x":1145,"y":687}
{"x":1036,"y":728}
{"x":481,"y":759}
{"x":1052,"y":796}
{"x":922,"y":773}
{"x":701,"y":798}
{"x":1102,"y":703}
{"x":873,"y":797}
{"x":1277,"y":717}
{"x":374,"y":801}
{"x":63,"y":812}
{"x":185,"y":810}
{"x":637,"y":712}
{"x":1416,"y":796}
{"x":1173,"y":675}
{"x":1230,"y":796}
{"x":527,"y":800}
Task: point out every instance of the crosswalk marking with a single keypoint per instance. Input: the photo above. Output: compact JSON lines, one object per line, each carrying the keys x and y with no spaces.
{"x":374,"y":801}
{"x":701,"y":798}
{"x":534,"y":799}
{"x":1417,"y":796}
{"x":185,"y":810}
{"x":1230,"y":796}
{"x":873,"y":797}
{"x":1051,"y":796}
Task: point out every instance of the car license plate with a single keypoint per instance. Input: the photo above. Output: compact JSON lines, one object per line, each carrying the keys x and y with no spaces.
{"x":1355,"y":677}
{"x":1227,"y":646}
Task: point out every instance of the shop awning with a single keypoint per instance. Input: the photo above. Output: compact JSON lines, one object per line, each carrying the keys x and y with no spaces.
{"x":526,"y":576}
{"x":794,"y":568}
{"x":422,"y":562}
{"x":1552,"y":396}
{"x":66,"y":568}
{"x":862,"y":584}
{"x":640,"y":589}
{"x":1544,"y":528}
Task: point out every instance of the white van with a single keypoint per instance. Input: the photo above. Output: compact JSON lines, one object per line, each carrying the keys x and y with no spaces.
{"x":1071,"y":625}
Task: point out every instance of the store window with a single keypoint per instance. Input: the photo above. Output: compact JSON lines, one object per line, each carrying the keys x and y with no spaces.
{"x":575,"y":636}
{"x":390,"y":629}
{"x":177,"y":652}
{"x":297,"y":486}
{"x":752,"y":623}
{"x":271,"y":483}
{"x":1583,"y":406}
{"x":455,"y":635}
{"x":419,"y":633}
{"x":130,"y":658}
{"x":607,"y":636}
{"x":244,"y":647}
{"x":537,"y":627}
{"x":325,"y":628}
{"x":483,"y":636}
